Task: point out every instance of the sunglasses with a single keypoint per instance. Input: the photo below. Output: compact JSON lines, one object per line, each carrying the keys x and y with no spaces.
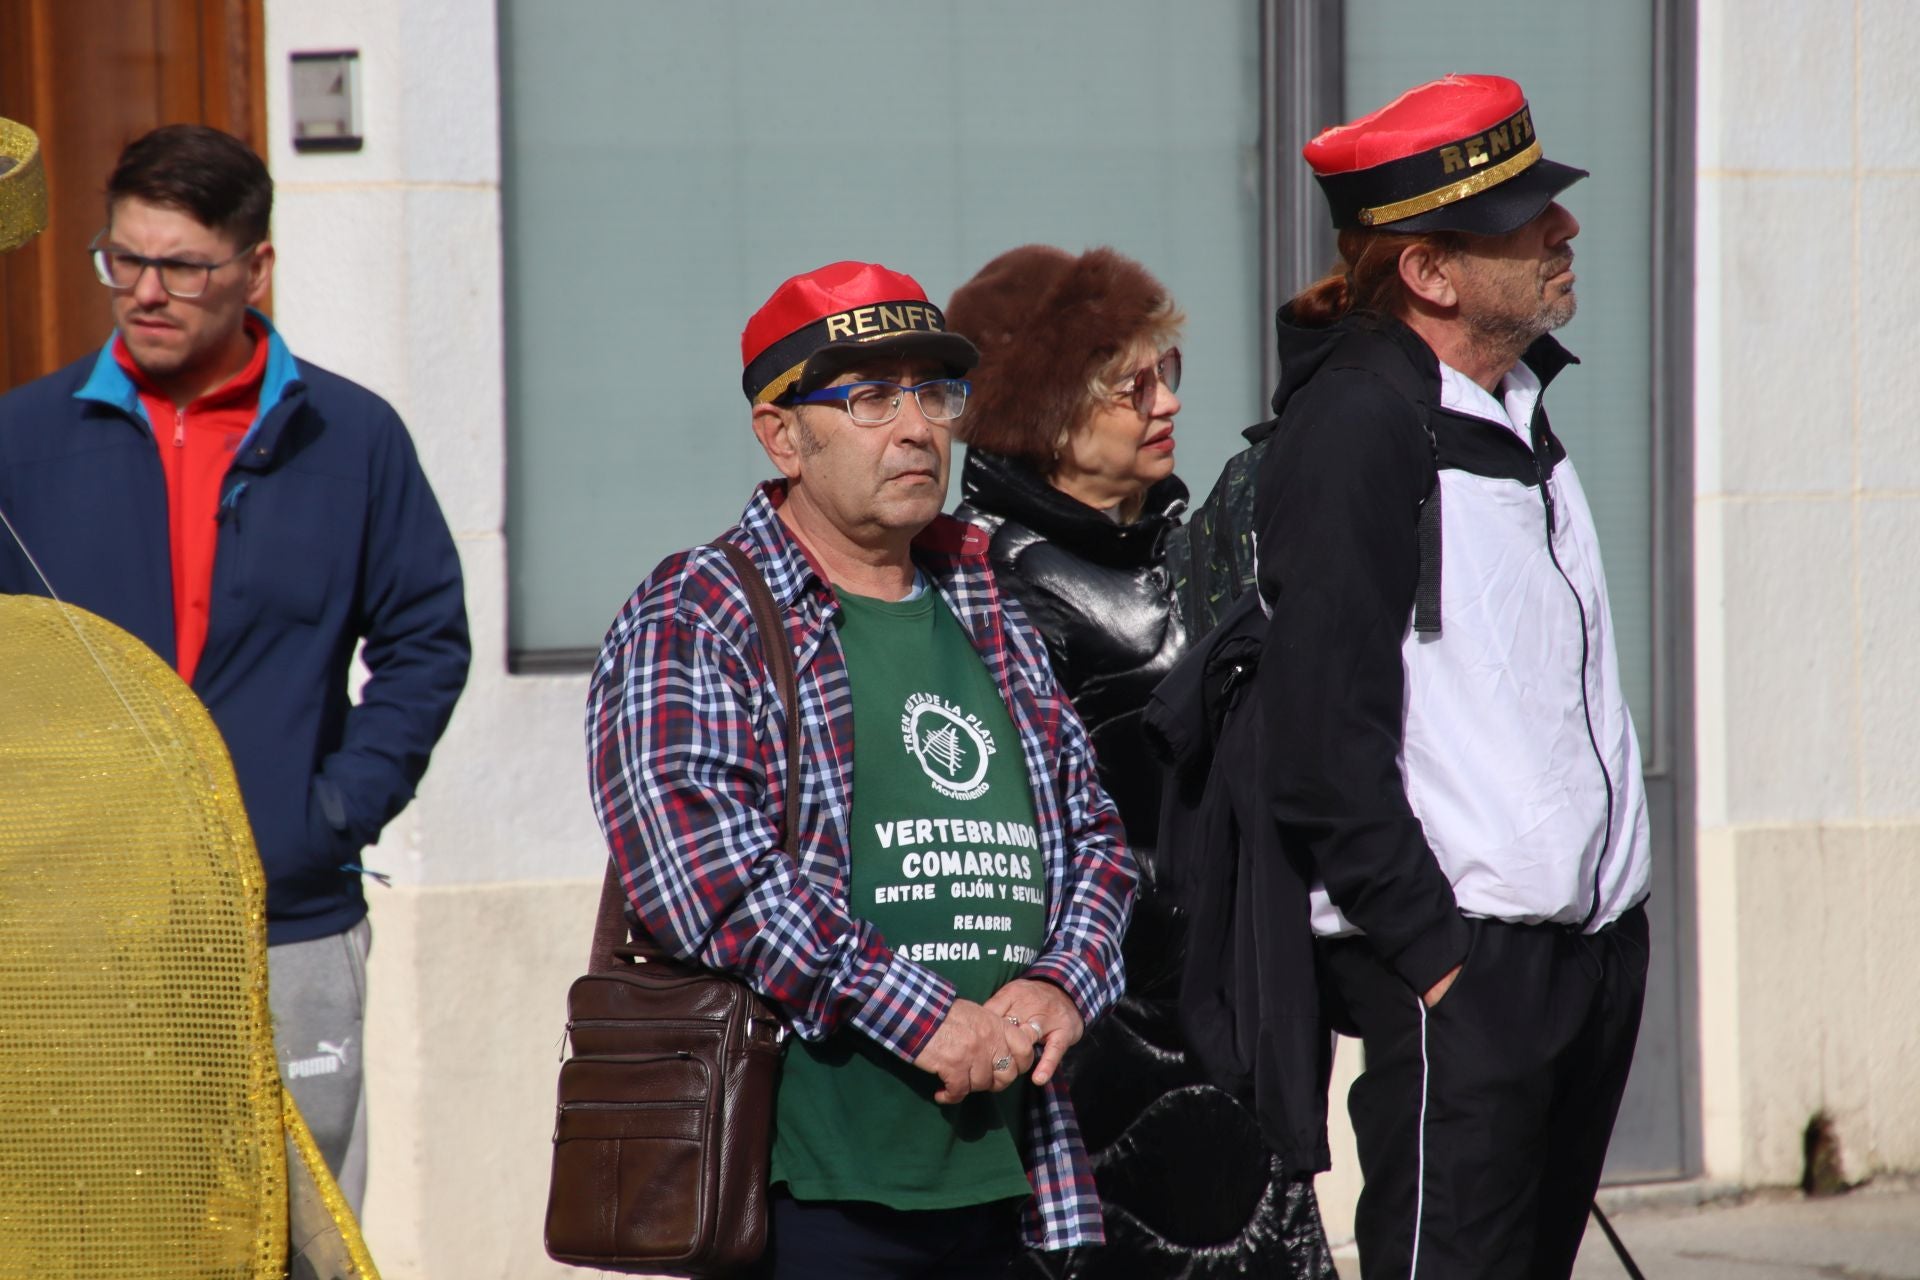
{"x":1143,"y":387}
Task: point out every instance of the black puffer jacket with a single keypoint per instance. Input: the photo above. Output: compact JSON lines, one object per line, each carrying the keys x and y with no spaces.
{"x":1188,"y":1187}
{"x":1100,"y":595}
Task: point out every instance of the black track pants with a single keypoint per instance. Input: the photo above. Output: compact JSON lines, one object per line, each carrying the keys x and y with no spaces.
{"x":1482,"y":1123}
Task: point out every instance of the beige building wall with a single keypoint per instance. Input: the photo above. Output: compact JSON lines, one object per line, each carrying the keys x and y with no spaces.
{"x":1807,"y":516}
{"x":1807,"y":527}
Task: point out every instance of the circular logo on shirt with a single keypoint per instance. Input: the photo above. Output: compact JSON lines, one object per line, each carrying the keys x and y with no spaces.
{"x":952,"y":747}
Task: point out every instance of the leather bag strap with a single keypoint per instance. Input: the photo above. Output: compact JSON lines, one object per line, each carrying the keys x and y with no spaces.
{"x":610,"y":925}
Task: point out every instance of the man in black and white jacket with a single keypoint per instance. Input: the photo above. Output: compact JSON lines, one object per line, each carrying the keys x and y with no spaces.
{"x":1450,"y":758}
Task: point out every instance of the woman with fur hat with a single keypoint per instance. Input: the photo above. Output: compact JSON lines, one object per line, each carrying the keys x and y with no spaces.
{"x":1070,"y":436}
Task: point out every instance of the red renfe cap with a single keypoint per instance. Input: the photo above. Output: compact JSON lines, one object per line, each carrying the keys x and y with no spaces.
{"x":1456,"y":154}
{"x":817,"y":325}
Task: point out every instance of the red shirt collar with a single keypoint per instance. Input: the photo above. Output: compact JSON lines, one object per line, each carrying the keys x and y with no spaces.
{"x":243,"y":386}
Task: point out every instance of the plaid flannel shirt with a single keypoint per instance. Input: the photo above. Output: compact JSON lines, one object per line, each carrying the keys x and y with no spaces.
{"x":686,"y":746}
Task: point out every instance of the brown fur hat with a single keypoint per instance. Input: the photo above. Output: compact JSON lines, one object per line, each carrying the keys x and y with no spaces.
{"x":1046,"y":323}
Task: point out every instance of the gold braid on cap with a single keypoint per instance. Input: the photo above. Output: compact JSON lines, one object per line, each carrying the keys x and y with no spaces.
{"x":23,"y":186}
{"x":1451,"y":193}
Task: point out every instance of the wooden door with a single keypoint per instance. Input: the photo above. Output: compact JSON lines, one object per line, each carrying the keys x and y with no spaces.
{"x":90,"y":76}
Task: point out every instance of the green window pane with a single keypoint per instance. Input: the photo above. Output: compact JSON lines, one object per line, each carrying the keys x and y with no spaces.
{"x":667,"y":164}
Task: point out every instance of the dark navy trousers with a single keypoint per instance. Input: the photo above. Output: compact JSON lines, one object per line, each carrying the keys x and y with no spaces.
{"x":854,"y":1240}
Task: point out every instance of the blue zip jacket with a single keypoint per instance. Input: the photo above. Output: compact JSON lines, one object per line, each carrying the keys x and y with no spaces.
{"x":329,"y":535}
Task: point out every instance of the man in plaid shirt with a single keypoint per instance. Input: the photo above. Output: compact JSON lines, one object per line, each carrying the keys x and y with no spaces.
{"x":955,"y":918}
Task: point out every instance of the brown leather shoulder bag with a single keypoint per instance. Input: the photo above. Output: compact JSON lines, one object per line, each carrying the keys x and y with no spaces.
{"x":666,"y":1106}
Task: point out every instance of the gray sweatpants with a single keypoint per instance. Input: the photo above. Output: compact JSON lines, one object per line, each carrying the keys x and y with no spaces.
{"x":318,"y":990}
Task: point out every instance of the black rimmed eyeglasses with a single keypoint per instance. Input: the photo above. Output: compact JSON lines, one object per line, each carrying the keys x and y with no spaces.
{"x":120,"y":270}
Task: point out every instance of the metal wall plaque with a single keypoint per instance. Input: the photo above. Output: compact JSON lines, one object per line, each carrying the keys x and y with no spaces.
{"x":326,"y":100}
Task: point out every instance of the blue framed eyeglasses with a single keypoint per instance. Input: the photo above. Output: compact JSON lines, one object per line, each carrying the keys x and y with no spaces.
{"x":874,"y":404}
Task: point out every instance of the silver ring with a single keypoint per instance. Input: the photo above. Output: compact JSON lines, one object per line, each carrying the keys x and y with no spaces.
{"x":1011,"y":1020}
{"x":1003,"y":1063}
{"x":1033,"y":1025}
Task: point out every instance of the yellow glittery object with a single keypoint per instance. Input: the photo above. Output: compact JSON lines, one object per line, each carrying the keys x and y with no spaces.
{"x":142,"y":1132}
{"x":323,"y":1237}
{"x":23,"y":186}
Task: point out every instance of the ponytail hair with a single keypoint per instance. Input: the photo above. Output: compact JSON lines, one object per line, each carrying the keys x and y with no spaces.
{"x":1366,"y":280}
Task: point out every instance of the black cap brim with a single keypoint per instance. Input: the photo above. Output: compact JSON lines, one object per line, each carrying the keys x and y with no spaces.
{"x":949,"y":350}
{"x":1499,"y":209}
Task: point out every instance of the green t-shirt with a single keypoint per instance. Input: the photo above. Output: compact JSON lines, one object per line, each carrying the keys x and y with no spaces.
{"x":946,"y":864}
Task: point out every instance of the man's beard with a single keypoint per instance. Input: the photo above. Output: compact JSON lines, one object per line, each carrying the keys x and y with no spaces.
{"x":1505,"y":331}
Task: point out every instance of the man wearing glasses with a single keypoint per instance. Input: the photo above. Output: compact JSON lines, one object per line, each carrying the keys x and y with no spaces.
{"x":252,"y":518}
{"x":962,"y":884}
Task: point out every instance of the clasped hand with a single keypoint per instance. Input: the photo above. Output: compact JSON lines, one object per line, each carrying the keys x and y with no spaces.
{"x":1027,"y":1025}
